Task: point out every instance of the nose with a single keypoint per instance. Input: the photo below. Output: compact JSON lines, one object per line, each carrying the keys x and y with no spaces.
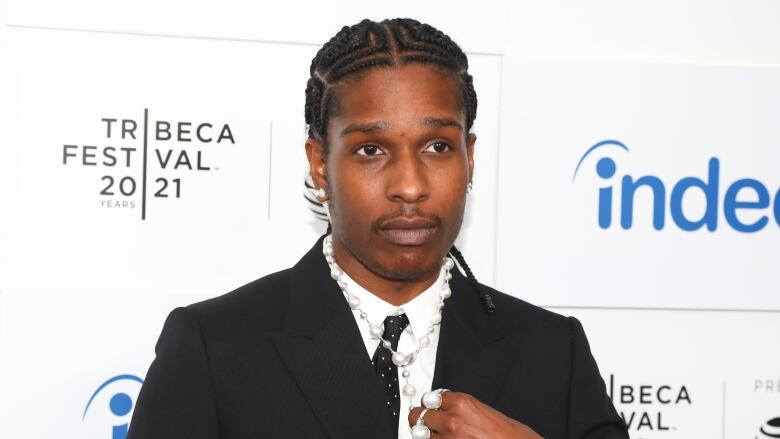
{"x":408,"y":179}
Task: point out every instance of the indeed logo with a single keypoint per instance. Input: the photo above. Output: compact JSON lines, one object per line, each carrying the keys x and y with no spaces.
{"x":740,"y":196}
{"x":113,"y":404}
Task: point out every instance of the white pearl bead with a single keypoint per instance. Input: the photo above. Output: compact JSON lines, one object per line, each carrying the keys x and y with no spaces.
{"x":399,"y":359}
{"x":421,"y":432}
{"x":353,"y":301}
{"x":376,"y":331}
{"x":431,"y":400}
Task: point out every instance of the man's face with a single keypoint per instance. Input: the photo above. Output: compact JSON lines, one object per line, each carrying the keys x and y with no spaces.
{"x":396,"y":169}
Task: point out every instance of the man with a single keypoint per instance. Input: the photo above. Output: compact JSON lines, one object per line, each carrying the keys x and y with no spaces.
{"x":350,"y":341}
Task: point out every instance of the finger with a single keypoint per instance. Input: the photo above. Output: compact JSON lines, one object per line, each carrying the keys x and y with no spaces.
{"x":413,"y":415}
{"x":433,"y":419}
{"x":437,"y":421}
{"x":450,"y":400}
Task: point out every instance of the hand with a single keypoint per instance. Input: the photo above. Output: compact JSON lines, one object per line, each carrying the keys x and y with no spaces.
{"x":463,"y":416}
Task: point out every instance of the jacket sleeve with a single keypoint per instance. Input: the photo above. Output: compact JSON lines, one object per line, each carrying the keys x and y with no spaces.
{"x":176,"y":399}
{"x":591,"y":413}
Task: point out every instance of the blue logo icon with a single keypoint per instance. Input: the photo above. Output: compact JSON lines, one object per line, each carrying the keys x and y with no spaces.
{"x":120,"y":404}
{"x":741,"y":195}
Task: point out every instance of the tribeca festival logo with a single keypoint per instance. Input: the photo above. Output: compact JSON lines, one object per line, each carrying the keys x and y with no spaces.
{"x":111,"y":405}
{"x":134,"y":148}
{"x":647,"y":408}
{"x":741,"y":195}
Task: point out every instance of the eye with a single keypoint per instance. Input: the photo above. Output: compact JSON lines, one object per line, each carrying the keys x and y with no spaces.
{"x":369,"y":150}
{"x":438,"y":147}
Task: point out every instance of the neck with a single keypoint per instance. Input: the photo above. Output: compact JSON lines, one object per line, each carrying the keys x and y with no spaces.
{"x":394,"y":291}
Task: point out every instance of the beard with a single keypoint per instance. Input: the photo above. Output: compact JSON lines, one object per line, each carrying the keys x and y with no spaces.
{"x":393,"y":263}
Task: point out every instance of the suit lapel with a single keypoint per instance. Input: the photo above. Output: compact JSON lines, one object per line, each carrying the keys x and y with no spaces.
{"x":469,"y":358}
{"x":322,"y":348}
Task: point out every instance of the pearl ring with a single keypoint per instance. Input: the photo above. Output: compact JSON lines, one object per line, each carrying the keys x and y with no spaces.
{"x":432,"y":400}
{"x":420,"y":431}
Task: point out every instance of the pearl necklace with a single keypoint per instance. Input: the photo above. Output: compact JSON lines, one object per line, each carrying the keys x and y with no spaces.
{"x":377,"y":331}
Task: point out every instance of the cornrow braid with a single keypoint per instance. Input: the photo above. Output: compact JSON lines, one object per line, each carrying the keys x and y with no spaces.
{"x":369,"y":44}
{"x":487,"y":299}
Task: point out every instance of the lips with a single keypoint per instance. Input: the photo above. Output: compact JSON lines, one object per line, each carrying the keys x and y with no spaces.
{"x":409,"y":231}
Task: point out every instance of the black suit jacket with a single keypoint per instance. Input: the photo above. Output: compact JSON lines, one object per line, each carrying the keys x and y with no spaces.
{"x":282,"y":357}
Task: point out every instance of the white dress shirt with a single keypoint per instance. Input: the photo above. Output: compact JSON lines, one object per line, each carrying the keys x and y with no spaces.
{"x":419,"y":312}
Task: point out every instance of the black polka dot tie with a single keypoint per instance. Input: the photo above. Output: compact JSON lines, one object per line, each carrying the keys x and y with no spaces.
{"x":386,"y":371}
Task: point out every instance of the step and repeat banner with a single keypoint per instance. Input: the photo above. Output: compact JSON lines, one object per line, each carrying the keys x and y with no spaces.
{"x":645,"y":199}
{"x":156,"y":159}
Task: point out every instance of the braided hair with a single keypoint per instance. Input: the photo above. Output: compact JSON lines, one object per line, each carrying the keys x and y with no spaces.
{"x":392,"y":42}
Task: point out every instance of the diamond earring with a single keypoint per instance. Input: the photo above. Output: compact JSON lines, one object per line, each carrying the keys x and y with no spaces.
{"x":319,"y":193}
{"x":468,"y":187}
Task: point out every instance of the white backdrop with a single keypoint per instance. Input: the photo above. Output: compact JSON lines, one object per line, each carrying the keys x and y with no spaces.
{"x":683,"y":324}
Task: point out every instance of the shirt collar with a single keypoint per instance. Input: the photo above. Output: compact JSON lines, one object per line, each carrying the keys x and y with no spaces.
{"x":419,"y":310}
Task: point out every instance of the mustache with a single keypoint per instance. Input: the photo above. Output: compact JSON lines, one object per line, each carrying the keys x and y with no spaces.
{"x":405,"y":213}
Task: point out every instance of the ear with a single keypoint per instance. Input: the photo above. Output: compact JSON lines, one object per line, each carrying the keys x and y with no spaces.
{"x":315,"y":153}
{"x":470,"y":140}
